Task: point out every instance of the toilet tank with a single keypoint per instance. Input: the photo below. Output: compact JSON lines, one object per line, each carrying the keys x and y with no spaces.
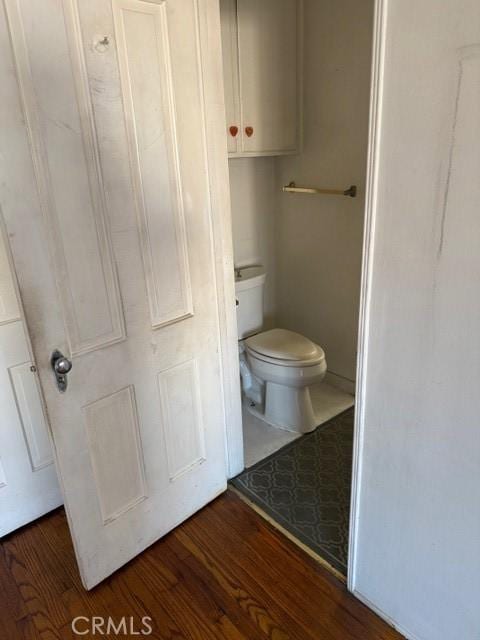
{"x":249,"y":285}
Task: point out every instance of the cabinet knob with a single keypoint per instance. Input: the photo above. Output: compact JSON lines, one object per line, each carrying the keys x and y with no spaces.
{"x":233,"y":131}
{"x":249,"y":131}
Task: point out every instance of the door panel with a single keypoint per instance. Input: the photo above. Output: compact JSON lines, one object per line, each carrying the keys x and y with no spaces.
{"x":30,"y":410}
{"x":65,"y":156}
{"x":139,"y":433}
{"x":28,"y":480}
{"x":182,"y":417}
{"x":116,"y":453}
{"x":148,"y":97}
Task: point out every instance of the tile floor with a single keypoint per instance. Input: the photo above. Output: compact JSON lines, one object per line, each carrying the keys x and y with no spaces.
{"x":305,"y":488}
{"x":261,"y":440}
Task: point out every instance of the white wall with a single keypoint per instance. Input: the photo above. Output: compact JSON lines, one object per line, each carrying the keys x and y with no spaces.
{"x":320,"y":237}
{"x":417,"y":552}
{"x":254,"y":208}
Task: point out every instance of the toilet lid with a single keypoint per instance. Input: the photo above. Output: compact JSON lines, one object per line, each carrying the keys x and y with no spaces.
{"x":285,"y":345}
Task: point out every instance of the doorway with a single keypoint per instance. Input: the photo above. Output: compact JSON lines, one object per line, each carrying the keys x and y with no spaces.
{"x":267,"y":174}
{"x":291,"y":217}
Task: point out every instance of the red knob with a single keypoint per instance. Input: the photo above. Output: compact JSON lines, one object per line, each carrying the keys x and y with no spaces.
{"x":233,"y":131}
{"x":249,"y":131}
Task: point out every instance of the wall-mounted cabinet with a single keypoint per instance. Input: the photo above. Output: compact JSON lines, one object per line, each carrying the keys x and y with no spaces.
{"x":261,"y":56}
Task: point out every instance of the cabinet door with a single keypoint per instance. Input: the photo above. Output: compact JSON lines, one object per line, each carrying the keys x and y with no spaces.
{"x":268,"y":69}
{"x":228,"y":17}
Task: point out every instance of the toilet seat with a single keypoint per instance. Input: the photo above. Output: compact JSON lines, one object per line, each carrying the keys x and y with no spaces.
{"x":284,"y":348}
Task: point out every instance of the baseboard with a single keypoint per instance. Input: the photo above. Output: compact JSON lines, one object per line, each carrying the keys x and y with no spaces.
{"x":407,"y":634}
{"x":344,"y":384}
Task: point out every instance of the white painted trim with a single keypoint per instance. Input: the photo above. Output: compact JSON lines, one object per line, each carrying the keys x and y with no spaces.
{"x":10,"y":321}
{"x":376,"y":97}
{"x":407,"y":634}
{"x":209,"y":27}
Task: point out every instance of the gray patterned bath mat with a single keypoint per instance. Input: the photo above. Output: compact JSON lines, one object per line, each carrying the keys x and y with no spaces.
{"x":305,"y":487}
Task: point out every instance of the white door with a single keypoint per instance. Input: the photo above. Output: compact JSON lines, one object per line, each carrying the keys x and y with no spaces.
{"x":106,"y":160}
{"x":28,"y":481}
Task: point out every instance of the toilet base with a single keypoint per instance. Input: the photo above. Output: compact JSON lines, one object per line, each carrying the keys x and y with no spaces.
{"x":288,"y":408}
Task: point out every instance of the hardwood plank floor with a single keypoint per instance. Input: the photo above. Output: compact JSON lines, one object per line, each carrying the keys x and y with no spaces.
{"x":223,"y":574}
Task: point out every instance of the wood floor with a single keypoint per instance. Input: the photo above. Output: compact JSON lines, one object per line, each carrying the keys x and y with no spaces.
{"x":224,"y":574}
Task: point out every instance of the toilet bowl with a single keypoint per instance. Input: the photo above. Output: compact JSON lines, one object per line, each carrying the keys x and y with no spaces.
{"x":286,"y":364}
{"x":277,"y":367}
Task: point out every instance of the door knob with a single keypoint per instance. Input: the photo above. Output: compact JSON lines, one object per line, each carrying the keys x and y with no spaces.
{"x":233,"y":131}
{"x":249,"y":131}
{"x":61,"y":367}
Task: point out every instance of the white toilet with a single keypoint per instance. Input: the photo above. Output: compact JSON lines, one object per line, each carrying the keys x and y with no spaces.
{"x":277,"y":367}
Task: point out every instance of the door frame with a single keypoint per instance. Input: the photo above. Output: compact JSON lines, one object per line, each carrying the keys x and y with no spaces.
{"x":235,"y":430}
{"x":373,"y":165}
{"x":219,"y":181}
